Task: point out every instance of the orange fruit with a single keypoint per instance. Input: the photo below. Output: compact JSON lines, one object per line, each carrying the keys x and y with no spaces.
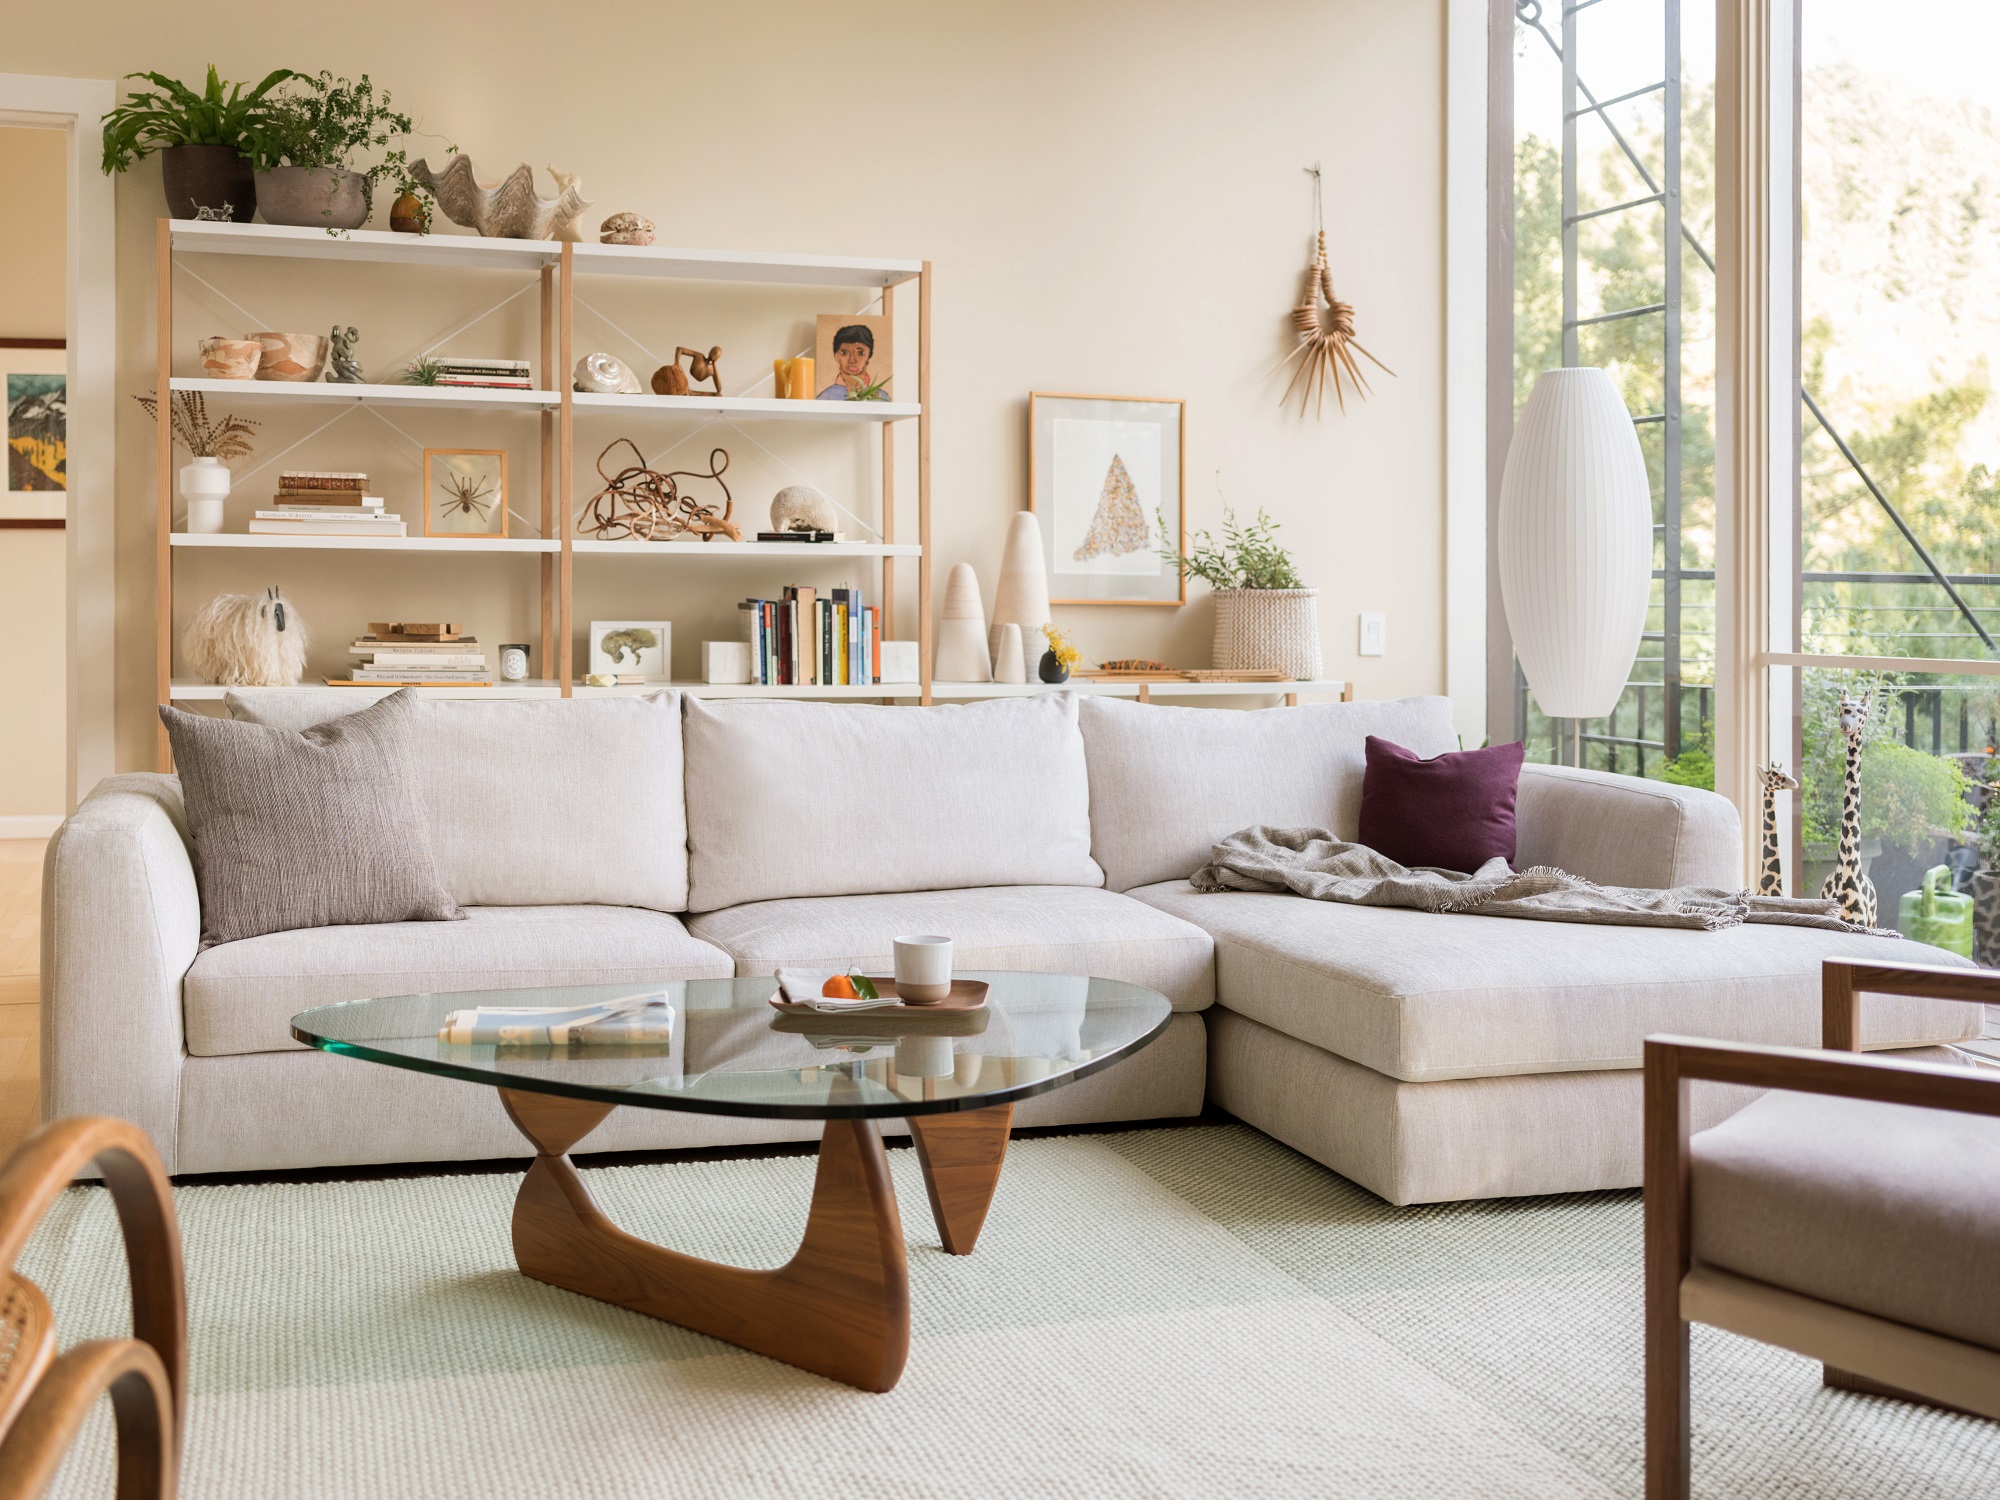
{"x":840,"y":987}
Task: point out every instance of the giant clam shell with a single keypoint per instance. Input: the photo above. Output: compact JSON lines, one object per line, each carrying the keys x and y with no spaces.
{"x":506,"y":210}
{"x":606,"y":375}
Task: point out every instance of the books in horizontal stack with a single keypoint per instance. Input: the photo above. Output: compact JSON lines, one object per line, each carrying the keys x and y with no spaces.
{"x":501,"y":374}
{"x":404,"y":663}
{"x":813,"y":637}
{"x":304,"y":523}
{"x":317,"y":502}
{"x":338,"y":480}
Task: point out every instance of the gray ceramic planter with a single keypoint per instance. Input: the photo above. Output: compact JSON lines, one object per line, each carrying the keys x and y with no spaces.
{"x":313,"y":197}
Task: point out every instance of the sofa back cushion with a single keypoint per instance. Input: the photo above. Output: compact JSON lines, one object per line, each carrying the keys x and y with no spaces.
{"x":825,"y":799}
{"x":1167,"y":783}
{"x":539,"y":802}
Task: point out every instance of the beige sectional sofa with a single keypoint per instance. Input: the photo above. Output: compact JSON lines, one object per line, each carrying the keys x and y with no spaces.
{"x":634,"y":840}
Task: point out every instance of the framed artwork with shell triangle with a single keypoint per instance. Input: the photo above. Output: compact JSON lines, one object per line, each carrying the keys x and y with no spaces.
{"x":1106,"y":481}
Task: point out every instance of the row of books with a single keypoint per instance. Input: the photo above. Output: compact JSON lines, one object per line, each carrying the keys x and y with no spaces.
{"x":501,"y":374}
{"x":813,"y":636}
{"x":458,"y":662}
{"x":325,"y":502}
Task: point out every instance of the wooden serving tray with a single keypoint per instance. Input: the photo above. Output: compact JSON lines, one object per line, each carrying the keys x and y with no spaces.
{"x":966,"y":994}
{"x":1179,"y":674}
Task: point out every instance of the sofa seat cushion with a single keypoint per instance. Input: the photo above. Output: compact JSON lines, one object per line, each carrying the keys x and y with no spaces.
{"x":1883,"y":1208}
{"x":1042,"y":928}
{"x":1419,"y":996}
{"x":241,"y":997}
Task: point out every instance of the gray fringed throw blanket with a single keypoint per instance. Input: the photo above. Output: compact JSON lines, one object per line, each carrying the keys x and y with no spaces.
{"x":1312,"y":862}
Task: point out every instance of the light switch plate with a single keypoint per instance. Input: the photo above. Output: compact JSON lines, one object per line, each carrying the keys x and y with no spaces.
{"x":1374,"y":633}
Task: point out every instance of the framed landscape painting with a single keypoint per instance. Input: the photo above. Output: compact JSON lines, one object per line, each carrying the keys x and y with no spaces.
{"x":35,"y":381}
{"x":1105,"y":478}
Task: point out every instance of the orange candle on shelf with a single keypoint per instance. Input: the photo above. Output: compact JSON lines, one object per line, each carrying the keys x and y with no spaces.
{"x":802,"y":379}
{"x":781,"y":378}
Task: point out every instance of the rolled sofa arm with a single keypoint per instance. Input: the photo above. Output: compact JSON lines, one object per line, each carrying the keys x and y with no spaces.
{"x":121,"y":923}
{"x":1625,"y":830}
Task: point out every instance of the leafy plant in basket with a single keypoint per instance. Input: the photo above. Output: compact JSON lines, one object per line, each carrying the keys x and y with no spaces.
{"x":1248,"y":557}
{"x":1266,"y":619}
{"x":313,"y":162}
{"x":207,"y":141}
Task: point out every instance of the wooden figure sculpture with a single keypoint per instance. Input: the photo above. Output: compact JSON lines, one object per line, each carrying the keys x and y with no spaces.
{"x":1853,"y":890}
{"x":1324,"y":326}
{"x":646,"y":504}
{"x":702,"y":367}
{"x":1770,"y":866}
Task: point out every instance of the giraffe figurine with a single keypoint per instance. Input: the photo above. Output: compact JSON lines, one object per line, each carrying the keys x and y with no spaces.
{"x":1770,"y":868}
{"x":1847,"y":885}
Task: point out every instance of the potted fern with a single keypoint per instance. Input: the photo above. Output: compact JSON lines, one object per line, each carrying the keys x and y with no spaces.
{"x":1266,"y":619}
{"x":206,"y":141}
{"x":310,"y":165}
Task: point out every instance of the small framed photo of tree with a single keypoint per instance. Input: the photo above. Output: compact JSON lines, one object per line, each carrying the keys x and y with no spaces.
{"x":465,"y":492}
{"x":1104,"y":478}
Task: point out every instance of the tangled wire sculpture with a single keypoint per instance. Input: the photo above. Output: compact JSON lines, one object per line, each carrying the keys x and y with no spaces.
{"x":647,"y":505}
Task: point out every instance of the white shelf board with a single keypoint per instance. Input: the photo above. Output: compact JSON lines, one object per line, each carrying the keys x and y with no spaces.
{"x":828,"y":551}
{"x":750,"y":406}
{"x":365,"y":543}
{"x":326,"y":393}
{"x":198,"y":237}
{"x":1102,"y":687}
{"x":209,"y":692}
{"x":742,"y":265}
{"x":751,"y":690}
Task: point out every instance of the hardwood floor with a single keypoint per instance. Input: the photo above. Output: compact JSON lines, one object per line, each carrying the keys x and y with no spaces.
{"x":20,"y":1000}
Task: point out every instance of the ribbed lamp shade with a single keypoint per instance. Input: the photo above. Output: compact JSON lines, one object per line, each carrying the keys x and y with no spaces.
{"x":1576,"y":543}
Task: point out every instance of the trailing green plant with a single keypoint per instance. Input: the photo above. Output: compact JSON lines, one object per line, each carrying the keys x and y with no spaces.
{"x":172,"y":114}
{"x":423,"y":371}
{"x":338,"y":123}
{"x":1694,"y":766}
{"x":1248,"y":557}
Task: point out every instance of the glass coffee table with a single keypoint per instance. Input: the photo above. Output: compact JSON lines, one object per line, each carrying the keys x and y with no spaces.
{"x":841,"y":1306}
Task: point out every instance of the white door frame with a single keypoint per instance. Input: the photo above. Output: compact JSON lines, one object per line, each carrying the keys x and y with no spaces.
{"x":75,"y":106}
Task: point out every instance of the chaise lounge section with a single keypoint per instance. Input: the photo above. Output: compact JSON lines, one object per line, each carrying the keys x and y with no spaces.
{"x":1426,"y":1057}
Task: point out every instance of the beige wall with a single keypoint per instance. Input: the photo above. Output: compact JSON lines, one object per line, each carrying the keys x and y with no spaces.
{"x":31,"y":562}
{"x":1111,"y":195}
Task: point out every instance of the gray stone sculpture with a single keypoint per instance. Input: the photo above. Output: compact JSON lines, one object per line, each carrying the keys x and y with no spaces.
{"x":346,"y":369}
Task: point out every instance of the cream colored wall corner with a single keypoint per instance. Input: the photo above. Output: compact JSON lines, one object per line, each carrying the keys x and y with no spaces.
{"x":1111,"y":195}
{"x":32,"y":777}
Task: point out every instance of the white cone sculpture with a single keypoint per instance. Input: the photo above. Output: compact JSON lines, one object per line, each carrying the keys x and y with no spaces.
{"x":1576,"y":543}
{"x":961,"y":647}
{"x":1010,"y":661}
{"x":1022,"y":596}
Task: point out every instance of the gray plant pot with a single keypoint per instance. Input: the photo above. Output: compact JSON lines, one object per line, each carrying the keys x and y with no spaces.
{"x":1821,"y":858}
{"x":313,"y":197}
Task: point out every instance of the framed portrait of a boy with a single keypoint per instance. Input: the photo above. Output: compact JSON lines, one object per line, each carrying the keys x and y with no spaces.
{"x":1106,"y":478}
{"x":852,"y":358}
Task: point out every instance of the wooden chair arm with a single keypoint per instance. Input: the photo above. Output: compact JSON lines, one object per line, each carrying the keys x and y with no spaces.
{"x":47,"y":1163}
{"x":1843,"y":981}
{"x":1808,"y":1071}
{"x":142,"y":1404}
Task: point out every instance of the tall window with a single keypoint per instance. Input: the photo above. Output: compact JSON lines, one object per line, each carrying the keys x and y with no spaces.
{"x":1898,"y":497}
{"x":1613,"y":157}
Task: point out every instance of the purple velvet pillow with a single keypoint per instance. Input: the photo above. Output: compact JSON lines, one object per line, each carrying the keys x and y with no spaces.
{"x":1454,"y":812}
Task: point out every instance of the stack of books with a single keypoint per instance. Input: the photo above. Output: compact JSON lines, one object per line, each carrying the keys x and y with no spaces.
{"x":502,"y":374}
{"x":813,"y":637}
{"x":416,"y":658}
{"x":324,"y":502}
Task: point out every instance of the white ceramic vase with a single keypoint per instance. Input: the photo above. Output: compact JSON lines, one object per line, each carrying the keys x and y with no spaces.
{"x":204,"y":486}
{"x":1022,"y":595}
{"x":962,"y":647}
{"x":1010,"y":661}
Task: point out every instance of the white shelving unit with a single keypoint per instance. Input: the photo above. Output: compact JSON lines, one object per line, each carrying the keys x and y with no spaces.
{"x":751,"y":406}
{"x":231,"y":540}
{"x":696,"y":551}
{"x":185,"y":691}
{"x":324,"y":393}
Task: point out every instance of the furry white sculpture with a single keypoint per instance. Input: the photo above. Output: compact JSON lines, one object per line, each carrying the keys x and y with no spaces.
{"x":240,"y":641}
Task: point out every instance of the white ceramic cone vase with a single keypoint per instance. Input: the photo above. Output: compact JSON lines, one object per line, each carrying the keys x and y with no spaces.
{"x":1576,"y":543}
{"x":962,"y":649}
{"x":1022,"y":595}
{"x":1010,"y":661}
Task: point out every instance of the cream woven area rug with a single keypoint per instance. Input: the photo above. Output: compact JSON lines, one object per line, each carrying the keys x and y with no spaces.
{"x":1179,"y":1312}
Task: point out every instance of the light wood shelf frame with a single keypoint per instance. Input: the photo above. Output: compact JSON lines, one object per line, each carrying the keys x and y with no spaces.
{"x":556,"y":405}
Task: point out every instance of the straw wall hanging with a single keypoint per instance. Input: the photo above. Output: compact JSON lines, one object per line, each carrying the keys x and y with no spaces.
{"x":1324,"y":326}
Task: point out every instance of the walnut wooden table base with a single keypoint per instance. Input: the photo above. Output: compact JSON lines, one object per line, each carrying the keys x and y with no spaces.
{"x":839,"y":1307}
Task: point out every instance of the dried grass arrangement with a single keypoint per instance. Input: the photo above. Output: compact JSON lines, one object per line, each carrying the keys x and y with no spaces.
{"x":646,"y":504}
{"x":226,"y":437}
{"x":1325,"y":329}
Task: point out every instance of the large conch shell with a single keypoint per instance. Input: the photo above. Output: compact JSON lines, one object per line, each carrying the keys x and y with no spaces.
{"x":507,"y":210}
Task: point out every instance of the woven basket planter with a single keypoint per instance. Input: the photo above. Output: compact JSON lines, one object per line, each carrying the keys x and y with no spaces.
{"x":1268,"y":630}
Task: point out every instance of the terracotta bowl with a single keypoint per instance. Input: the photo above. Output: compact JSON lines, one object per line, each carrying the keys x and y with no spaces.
{"x":291,"y":356}
{"x":230,"y":359}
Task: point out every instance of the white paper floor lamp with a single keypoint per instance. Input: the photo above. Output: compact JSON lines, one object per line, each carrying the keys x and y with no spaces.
{"x":1576,"y":543}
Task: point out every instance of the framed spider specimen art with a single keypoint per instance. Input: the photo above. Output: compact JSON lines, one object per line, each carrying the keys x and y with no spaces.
{"x":465,"y":492}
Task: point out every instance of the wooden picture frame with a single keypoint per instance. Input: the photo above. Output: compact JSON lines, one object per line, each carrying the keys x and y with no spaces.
{"x":453,"y":492}
{"x":34,"y":390}
{"x":1092,"y":462}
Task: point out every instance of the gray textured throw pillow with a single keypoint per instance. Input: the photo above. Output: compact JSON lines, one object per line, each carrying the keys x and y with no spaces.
{"x":312,"y":828}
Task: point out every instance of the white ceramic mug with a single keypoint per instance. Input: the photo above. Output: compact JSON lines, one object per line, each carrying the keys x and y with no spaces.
{"x":923,"y":969}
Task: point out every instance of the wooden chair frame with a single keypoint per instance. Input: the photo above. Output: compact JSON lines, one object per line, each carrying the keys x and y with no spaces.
{"x":1859,"y":1351}
{"x":146,"y":1375}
